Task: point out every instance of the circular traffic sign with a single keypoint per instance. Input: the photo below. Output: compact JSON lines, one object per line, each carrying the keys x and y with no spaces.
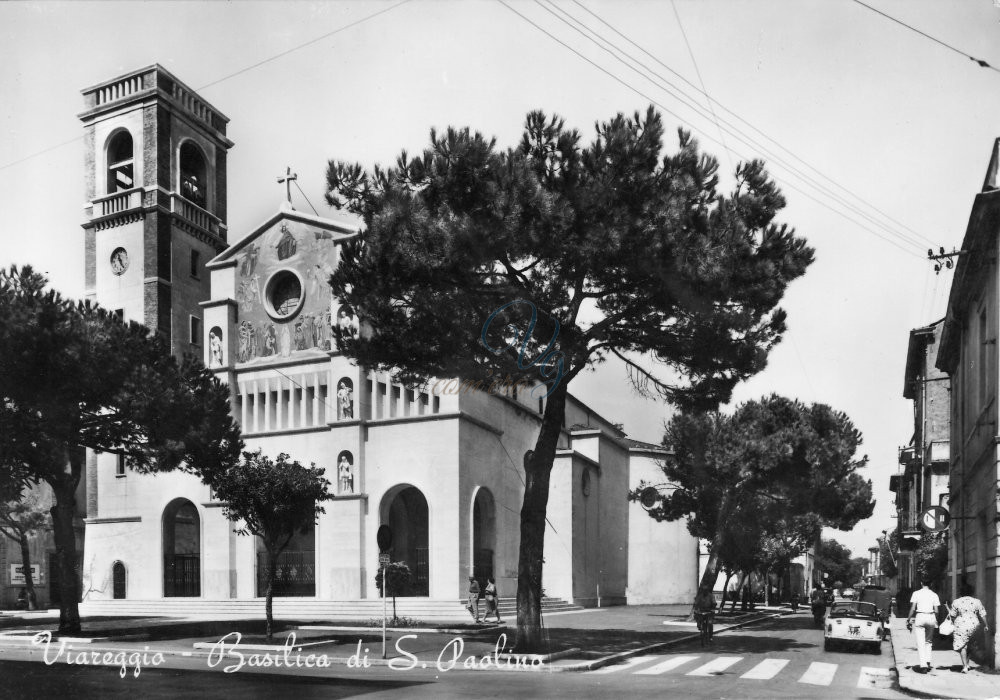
{"x":648,"y":497}
{"x":935,"y":519}
{"x":384,"y":537}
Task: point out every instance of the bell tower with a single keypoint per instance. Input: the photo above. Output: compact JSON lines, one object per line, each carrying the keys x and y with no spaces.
{"x":155,"y":178}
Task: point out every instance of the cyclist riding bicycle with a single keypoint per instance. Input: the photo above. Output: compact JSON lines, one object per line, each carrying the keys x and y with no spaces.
{"x":704,"y":614}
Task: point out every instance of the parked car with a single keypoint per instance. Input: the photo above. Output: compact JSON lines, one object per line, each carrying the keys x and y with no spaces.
{"x":854,"y":622}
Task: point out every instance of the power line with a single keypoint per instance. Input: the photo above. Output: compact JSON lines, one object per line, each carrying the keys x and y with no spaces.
{"x":979,"y":61}
{"x":231,"y":75}
{"x":701,"y":80}
{"x":639,"y":92}
{"x":741,"y":135}
{"x":753,"y":127}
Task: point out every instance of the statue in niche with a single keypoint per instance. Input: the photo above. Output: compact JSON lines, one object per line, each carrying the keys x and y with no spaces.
{"x":345,"y":399}
{"x":215,"y":348}
{"x":345,"y":472}
{"x":300,"y":336}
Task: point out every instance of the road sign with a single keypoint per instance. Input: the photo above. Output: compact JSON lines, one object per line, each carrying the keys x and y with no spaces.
{"x":384,"y":537}
{"x":383,"y":559}
{"x":935,"y":519}
{"x":648,"y":497}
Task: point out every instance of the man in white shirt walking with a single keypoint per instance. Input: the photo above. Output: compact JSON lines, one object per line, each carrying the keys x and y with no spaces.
{"x":922,"y":620}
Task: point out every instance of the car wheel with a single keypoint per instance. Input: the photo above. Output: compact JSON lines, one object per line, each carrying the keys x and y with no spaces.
{"x":827,"y":644}
{"x":877,"y":648}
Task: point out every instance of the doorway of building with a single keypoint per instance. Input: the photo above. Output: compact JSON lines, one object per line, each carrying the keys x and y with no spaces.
{"x":181,"y":550}
{"x":407,"y":517}
{"x":483,"y":536}
{"x":295,"y":570}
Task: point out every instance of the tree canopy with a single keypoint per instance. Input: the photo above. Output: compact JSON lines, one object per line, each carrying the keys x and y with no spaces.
{"x":74,"y":376}
{"x":776,"y":467}
{"x":541,"y":260}
{"x":274,"y":500}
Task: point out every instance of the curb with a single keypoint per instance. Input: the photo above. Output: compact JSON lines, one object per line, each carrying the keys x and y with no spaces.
{"x":622,"y":655}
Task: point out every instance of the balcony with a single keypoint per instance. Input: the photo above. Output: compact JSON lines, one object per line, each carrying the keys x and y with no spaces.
{"x":117,"y":208}
{"x":194,"y":215}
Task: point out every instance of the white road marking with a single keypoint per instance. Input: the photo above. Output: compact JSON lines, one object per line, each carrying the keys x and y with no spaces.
{"x":766,"y":669}
{"x":716,"y":665}
{"x":665,"y":666}
{"x":629,"y":663}
{"x":819,"y":673}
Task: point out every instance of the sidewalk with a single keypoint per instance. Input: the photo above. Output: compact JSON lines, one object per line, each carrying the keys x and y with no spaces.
{"x":575,"y":642}
{"x":944,"y":679}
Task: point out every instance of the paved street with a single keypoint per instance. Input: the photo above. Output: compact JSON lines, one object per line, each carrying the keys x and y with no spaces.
{"x":781,"y":658}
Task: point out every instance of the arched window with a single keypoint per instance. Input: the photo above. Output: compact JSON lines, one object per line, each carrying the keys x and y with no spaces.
{"x":118,"y":580}
{"x":120,"y":169}
{"x":194,"y":183}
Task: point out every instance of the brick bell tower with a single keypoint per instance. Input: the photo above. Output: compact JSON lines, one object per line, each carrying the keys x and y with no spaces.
{"x":155,"y":178}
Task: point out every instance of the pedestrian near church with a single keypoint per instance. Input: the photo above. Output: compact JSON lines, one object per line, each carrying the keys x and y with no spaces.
{"x":966,"y":613}
{"x":922,"y":620}
{"x":473,"y":606}
{"x":491,"y":600}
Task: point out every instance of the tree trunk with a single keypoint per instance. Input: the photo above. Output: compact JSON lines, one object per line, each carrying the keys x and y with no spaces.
{"x":65,"y":538}
{"x":739,"y":591}
{"x":272,"y":562}
{"x":538,"y":469}
{"x":29,"y":583}
{"x":711,"y":575}
{"x":394,"y":608}
{"x":725,"y":588}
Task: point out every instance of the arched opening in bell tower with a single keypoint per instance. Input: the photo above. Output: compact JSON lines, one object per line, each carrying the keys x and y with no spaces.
{"x":193,"y":179}
{"x":121,"y":175}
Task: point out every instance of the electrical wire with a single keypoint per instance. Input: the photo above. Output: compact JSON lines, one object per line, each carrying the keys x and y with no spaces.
{"x":706,"y":135}
{"x":304,"y":195}
{"x":701,"y":80}
{"x":230,"y":76}
{"x":978,"y":61}
{"x":739,"y":134}
{"x":752,"y":126}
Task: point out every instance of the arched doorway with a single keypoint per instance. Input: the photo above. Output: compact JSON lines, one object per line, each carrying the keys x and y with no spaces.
{"x":181,"y":550}
{"x":118,"y":581}
{"x":406,"y":515}
{"x":484,"y":527}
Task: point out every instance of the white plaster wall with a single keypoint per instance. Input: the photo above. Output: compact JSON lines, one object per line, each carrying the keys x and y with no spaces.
{"x":662,"y":557}
{"x":557,"y":576}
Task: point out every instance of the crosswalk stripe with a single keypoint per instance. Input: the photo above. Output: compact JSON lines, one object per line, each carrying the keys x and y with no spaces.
{"x":819,"y":673}
{"x":766,"y":669}
{"x":629,"y":663}
{"x":716,"y":665}
{"x":665,"y":666}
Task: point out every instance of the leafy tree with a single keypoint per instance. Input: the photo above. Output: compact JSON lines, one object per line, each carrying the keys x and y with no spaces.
{"x":273,"y":499}
{"x":771,"y":461}
{"x":400,"y":579}
{"x":21,"y":517}
{"x":932,"y":557}
{"x":834,"y":559}
{"x":540,"y":261}
{"x":73,"y":376}
{"x":889,"y":554}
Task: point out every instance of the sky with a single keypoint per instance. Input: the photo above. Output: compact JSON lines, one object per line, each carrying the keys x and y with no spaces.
{"x":878,"y":136}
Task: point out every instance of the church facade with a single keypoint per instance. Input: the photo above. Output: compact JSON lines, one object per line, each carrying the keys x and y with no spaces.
{"x":441,"y":465}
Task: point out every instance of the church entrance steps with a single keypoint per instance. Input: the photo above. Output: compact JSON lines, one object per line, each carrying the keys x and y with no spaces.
{"x":298,"y":608}
{"x":428,"y":609}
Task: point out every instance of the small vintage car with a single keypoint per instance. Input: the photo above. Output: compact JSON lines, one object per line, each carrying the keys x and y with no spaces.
{"x":855,"y":622}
